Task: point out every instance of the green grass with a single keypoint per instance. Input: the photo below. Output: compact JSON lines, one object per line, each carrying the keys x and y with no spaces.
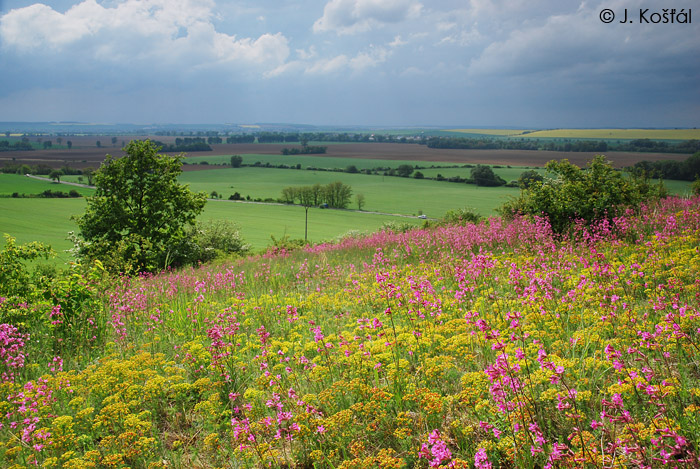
{"x":10,"y":183}
{"x":49,"y":221}
{"x":382,"y":193}
{"x":259,"y":221}
{"x":44,"y":220}
{"x":327,"y":162}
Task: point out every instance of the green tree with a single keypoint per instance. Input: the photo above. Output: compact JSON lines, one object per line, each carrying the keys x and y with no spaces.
{"x":360,"y":199}
{"x":139,"y":211}
{"x":69,"y":144}
{"x":484,"y":176}
{"x":236,"y":161}
{"x":404,"y":170}
{"x":56,"y":175}
{"x":89,"y":173}
{"x":337,"y":194}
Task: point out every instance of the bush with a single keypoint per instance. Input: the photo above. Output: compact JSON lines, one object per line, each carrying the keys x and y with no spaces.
{"x":528,"y":178}
{"x":484,"y":176}
{"x":461,"y":216}
{"x":596,"y":192}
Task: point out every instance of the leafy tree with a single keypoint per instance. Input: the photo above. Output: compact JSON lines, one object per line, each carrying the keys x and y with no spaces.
{"x":98,"y":144}
{"x":597,"y":192}
{"x":360,"y":199}
{"x":114,"y":141}
{"x":418,"y":175}
{"x":337,"y":194}
{"x":56,"y":175}
{"x":47,"y":144}
{"x":236,"y":161}
{"x":484,"y":176}
{"x":89,"y":173}
{"x":352,"y":169}
{"x":69,"y":144}
{"x":404,"y":170}
{"x":139,"y":211}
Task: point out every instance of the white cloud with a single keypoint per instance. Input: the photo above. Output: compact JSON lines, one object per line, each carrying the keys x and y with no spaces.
{"x":157,"y":31}
{"x":326,"y":66}
{"x":355,"y":16}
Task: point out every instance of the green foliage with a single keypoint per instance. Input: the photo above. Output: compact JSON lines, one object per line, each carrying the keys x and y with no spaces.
{"x":696,"y":186}
{"x":236,"y":161}
{"x":56,"y":175}
{"x":15,"y":278}
{"x":461,"y":216}
{"x":599,"y":191}
{"x":483,"y":175}
{"x":336,"y":195}
{"x":528,"y":178}
{"x":216,"y":239}
{"x":77,"y":320}
{"x":139,"y":211}
{"x":404,"y":170}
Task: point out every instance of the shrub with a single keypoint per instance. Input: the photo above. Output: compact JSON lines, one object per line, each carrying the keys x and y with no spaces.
{"x":597,"y":192}
{"x":484,"y":176}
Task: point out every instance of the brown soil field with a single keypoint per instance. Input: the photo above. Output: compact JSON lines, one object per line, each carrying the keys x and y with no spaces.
{"x":86,"y":154}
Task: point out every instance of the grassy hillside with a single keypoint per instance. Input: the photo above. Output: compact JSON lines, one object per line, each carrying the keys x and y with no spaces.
{"x":491,"y":345}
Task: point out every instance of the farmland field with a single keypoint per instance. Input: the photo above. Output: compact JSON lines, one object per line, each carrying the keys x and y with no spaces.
{"x":11,"y":183}
{"x":383,"y":193}
{"x":91,"y":156}
{"x":617,"y":134}
{"x":48,"y":221}
{"x":316,"y":161}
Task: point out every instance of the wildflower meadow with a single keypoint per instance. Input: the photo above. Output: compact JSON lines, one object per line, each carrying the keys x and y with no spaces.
{"x":487,"y":345}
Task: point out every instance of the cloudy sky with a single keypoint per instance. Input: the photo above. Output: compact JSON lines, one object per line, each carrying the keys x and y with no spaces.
{"x":520,"y":63}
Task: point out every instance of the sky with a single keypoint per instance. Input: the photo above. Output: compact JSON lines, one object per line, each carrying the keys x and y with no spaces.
{"x":461,"y":63}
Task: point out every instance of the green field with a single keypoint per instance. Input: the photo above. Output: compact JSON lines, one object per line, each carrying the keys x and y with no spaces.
{"x":326,"y":162}
{"x":388,"y":194}
{"x":11,"y":183}
{"x":49,"y":221}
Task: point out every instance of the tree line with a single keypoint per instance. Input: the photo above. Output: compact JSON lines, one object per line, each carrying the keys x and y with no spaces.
{"x":336,"y":195}
{"x":638,"y":145}
{"x":687,"y":170}
{"x":184,"y":145}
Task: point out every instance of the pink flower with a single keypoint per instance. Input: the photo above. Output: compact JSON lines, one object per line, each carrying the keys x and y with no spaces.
{"x":481,"y":460}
